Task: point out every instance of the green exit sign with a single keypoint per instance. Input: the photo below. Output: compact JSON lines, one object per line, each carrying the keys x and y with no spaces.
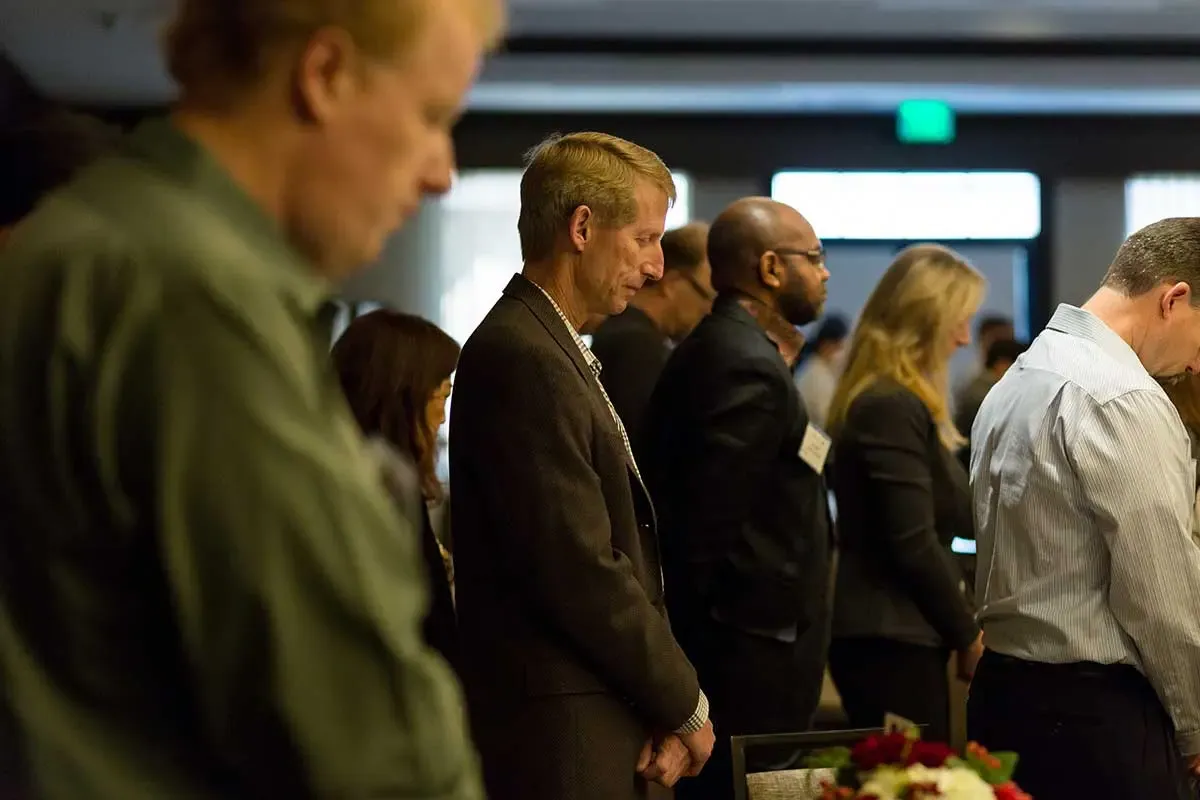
{"x":925,"y":122}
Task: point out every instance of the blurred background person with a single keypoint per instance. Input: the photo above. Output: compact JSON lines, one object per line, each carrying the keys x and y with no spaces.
{"x":820,"y":365}
{"x":633,"y":346}
{"x":902,"y":496}
{"x":1001,"y":354}
{"x":395,"y":371}
{"x":744,"y":513}
{"x":990,"y":328}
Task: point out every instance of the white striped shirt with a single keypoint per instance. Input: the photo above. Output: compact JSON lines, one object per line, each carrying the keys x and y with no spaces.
{"x":1084,"y":487}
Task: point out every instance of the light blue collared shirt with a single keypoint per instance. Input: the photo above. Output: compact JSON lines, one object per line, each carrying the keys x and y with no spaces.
{"x":1084,"y":488}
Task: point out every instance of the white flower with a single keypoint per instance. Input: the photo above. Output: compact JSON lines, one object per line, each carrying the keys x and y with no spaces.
{"x":885,"y":783}
{"x":957,"y":783}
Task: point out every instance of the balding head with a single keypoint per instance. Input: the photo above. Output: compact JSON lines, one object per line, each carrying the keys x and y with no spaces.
{"x":767,"y":249}
{"x":743,"y":233}
{"x":685,"y":247}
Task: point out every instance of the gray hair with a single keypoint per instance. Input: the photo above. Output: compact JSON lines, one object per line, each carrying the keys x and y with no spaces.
{"x":1167,"y":251}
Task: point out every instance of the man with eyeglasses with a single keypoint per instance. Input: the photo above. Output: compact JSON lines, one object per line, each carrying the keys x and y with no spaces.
{"x":634,"y":345}
{"x":736,"y":471}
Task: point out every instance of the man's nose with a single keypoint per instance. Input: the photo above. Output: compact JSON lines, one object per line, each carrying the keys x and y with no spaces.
{"x":655,"y":266}
{"x":439,"y":172}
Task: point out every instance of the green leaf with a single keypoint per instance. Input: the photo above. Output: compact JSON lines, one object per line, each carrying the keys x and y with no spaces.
{"x":830,"y":758}
{"x":996,"y":773}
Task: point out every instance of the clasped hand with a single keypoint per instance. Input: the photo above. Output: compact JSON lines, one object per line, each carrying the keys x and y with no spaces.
{"x":667,"y":758}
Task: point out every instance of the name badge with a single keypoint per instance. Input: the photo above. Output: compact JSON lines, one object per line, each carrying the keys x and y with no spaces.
{"x":814,"y":448}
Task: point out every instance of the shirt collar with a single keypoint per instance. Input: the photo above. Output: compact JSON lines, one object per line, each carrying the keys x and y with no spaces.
{"x":1083,"y":324}
{"x":592,"y":361}
{"x":172,"y":153}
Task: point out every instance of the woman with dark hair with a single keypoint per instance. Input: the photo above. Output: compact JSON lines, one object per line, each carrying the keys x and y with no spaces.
{"x":395,"y":372}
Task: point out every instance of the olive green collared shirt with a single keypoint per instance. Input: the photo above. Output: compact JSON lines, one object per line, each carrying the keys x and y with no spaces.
{"x":204,"y":589}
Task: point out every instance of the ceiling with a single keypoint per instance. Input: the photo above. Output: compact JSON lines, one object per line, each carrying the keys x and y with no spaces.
{"x":104,"y":52}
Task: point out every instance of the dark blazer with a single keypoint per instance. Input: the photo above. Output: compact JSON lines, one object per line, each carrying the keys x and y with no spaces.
{"x":633,"y":353}
{"x":901,"y":497}
{"x":745,"y":522}
{"x":567,"y":657}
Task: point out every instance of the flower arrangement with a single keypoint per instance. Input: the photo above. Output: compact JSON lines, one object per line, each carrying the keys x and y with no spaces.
{"x":899,"y":766}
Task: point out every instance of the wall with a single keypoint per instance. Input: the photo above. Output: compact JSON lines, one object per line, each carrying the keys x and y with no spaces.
{"x":1088,"y":219}
{"x":406,"y":276}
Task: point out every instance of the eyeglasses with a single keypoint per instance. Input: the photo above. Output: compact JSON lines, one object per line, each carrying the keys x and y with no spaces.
{"x":817,"y":256}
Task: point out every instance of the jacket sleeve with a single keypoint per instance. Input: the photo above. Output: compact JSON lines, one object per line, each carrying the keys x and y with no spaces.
{"x":528,"y":418}
{"x":890,"y":430}
{"x":740,"y":434}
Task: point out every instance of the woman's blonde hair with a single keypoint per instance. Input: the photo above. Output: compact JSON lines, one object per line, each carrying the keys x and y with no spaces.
{"x":1185,"y":394}
{"x":904,"y":333}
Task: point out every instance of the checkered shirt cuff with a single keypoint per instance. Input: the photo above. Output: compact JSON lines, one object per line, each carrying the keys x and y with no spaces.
{"x":696,"y":721}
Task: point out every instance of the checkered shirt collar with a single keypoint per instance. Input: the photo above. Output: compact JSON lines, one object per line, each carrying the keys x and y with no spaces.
{"x":592,"y":361}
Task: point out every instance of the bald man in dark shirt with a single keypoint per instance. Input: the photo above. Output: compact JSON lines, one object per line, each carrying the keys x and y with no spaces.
{"x":736,"y":472}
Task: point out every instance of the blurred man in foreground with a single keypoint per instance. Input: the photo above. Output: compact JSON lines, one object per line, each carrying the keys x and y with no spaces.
{"x":204,"y":589}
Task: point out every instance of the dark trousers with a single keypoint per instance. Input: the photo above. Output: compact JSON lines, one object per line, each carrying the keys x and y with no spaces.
{"x":755,"y":685}
{"x":1081,"y":730}
{"x":878,"y":676}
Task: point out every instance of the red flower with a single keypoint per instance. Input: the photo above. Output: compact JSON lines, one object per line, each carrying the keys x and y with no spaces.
{"x":929,"y":754}
{"x":1010,"y":791}
{"x":899,"y":750}
{"x":874,"y":751}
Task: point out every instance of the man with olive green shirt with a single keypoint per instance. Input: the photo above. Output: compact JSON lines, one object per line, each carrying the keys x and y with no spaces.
{"x":204,"y":589}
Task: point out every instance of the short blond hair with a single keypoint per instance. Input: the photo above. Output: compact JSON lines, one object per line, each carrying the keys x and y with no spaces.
{"x":214,"y":48}
{"x":903,"y":333}
{"x":595,"y":170}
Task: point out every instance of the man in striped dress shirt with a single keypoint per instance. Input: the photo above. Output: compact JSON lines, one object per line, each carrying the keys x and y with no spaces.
{"x":1089,"y":581}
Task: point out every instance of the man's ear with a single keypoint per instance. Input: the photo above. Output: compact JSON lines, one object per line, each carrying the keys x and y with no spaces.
{"x":770,"y":270}
{"x":1179,"y":293}
{"x":325,"y":74}
{"x":582,"y":227}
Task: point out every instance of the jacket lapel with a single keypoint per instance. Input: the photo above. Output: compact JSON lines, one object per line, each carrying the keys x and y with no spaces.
{"x":522,"y":289}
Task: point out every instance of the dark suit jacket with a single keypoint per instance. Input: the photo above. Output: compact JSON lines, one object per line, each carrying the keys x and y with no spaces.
{"x":567,"y":656}
{"x":745,"y":522}
{"x":633,"y":353}
{"x":902,"y":497}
